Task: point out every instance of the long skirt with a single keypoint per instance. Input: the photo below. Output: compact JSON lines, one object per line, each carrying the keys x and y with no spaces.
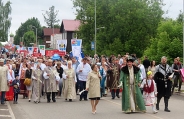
{"x":9,"y":94}
{"x":37,"y":90}
{"x":23,"y":89}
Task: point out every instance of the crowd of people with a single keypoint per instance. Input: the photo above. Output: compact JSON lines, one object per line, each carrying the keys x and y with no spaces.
{"x":91,"y":78}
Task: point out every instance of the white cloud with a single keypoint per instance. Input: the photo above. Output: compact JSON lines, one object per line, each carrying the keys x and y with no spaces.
{"x":25,"y":9}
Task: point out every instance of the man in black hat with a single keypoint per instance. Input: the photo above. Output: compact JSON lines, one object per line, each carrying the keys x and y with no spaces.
{"x":130,"y":80}
{"x":164,"y":84}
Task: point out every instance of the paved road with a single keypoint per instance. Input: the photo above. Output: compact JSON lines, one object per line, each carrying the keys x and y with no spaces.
{"x":107,"y":109}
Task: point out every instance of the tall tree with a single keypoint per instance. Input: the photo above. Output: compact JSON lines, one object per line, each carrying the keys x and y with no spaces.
{"x":168,"y":41}
{"x":29,"y":37}
{"x":25,"y":27}
{"x":5,"y":19}
{"x":133,"y":22}
{"x":50,"y":17}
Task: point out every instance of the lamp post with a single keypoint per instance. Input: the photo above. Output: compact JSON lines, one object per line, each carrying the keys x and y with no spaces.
{"x":36,"y":34}
{"x":95,"y":27}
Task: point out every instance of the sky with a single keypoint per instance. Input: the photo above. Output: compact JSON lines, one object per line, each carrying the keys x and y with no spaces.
{"x":25,"y":9}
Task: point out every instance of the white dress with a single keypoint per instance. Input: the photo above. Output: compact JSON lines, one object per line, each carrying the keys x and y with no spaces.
{"x":149,"y":98}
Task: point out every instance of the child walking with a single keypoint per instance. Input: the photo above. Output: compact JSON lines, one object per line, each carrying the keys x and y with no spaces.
{"x":16,"y":88}
{"x":149,"y":91}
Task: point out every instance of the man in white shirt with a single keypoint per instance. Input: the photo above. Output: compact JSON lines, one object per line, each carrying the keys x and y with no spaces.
{"x":83,"y":70}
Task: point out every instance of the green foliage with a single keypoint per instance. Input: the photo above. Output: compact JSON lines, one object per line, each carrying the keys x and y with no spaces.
{"x":5,"y":20}
{"x":25,"y":27}
{"x":168,"y":41}
{"x":29,"y":37}
{"x":50,"y":17}
{"x":133,"y":22}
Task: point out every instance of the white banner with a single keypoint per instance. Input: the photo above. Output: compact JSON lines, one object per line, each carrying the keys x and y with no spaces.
{"x":76,"y":47}
{"x":42,"y":49}
{"x":30,"y":50}
{"x":61,"y":45}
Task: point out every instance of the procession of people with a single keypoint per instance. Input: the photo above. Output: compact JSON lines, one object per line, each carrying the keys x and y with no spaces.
{"x":141,"y":85}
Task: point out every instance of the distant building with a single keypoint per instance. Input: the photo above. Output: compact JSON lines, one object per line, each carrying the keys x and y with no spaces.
{"x":68,"y":28}
{"x":47,"y":32}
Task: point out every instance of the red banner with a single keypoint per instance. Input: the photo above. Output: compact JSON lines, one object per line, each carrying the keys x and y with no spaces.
{"x":24,"y":52}
{"x":37,"y":54}
{"x":50,"y":53}
{"x":35,"y":50}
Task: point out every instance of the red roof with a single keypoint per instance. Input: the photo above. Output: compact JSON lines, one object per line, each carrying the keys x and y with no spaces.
{"x":49,"y":31}
{"x":71,"y":25}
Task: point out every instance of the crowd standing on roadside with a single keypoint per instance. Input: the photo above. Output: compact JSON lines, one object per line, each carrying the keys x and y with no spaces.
{"x":141,"y":83}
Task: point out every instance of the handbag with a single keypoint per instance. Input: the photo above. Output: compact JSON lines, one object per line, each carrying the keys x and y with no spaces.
{"x":27,"y":82}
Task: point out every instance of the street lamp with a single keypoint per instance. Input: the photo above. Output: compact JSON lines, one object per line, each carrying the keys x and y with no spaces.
{"x":36,"y":34}
{"x":95,"y":27}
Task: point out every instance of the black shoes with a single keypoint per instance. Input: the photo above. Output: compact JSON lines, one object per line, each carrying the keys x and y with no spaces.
{"x":70,"y":100}
{"x":157,"y":107}
{"x":85,"y":99}
{"x":167,"y":110}
{"x":118,"y":96}
{"x":113,"y":98}
{"x":80,"y":99}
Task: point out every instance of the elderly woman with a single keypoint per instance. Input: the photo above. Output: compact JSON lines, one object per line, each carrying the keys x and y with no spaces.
{"x":69,"y":76}
{"x":37,"y":77}
{"x":93,"y":86}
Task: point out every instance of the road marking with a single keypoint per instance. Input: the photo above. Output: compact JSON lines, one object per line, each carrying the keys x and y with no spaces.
{"x":5,"y":115}
{"x":3,"y":109}
{"x":10,"y":110}
{"x":145,"y":113}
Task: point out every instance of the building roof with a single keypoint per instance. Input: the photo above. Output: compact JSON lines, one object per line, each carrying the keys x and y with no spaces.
{"x":49,"y":31}
{"x":70,"y":25}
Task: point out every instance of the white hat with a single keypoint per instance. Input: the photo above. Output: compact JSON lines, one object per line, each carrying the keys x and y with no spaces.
{"x":1,"y":60}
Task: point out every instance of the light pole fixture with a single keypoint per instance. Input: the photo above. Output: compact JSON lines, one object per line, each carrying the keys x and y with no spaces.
{"x":36,"y":34}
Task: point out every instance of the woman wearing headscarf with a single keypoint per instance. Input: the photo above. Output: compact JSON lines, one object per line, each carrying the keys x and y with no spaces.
{"x":69,"y":76}
{"x":37,"y":77}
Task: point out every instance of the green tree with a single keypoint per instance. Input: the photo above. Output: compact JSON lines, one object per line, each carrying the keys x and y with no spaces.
{"x":168,"y":41}
{"x":133,"y":22}
{"x":25,"y":27}
{"x":5,"y":19}
{"x":29,"y":37}
{"x":50,"y":17}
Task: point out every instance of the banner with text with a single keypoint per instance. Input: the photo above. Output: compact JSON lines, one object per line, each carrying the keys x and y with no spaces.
{"x":30,"y":50}
{"x":42,"y":49}
{"x":62,"y":44}
{"x":76,"y":48}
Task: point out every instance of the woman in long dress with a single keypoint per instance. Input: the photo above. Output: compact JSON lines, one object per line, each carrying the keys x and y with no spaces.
{"x":69,"y":83}
{"x":93,"y":87}
{"x":37,"y":77}
{"x":22,"y":73}
{"x":103,"y":72}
